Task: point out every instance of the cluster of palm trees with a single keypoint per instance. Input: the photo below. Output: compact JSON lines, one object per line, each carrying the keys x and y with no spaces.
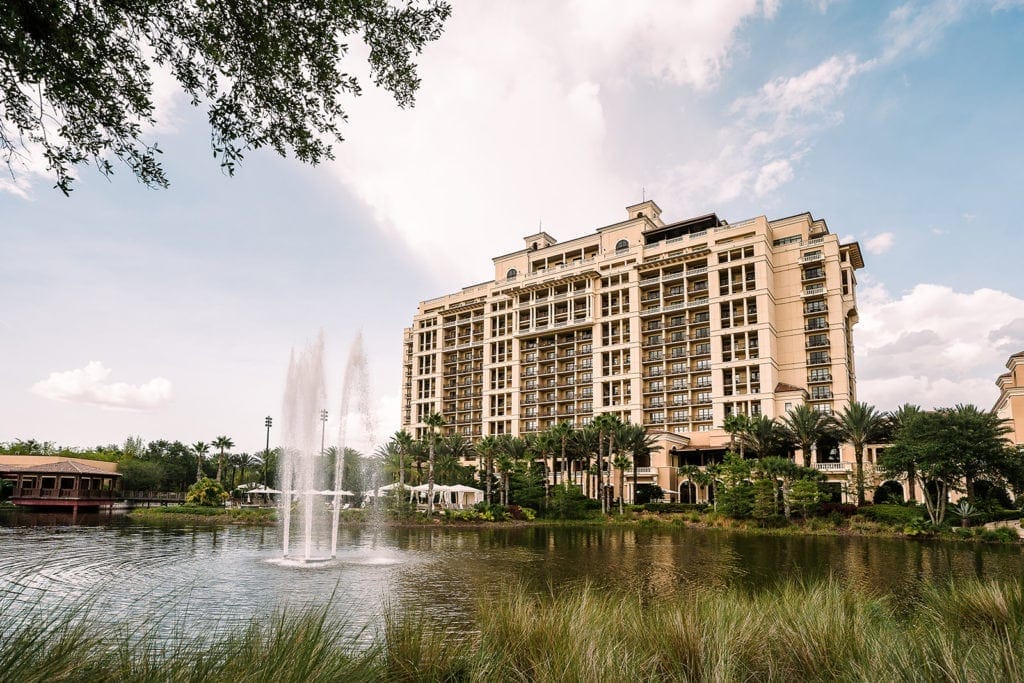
{"x":591,"y":455}
{"x":238,"y":463}
{"x":563,"y":453}
{"x":802,"y":427}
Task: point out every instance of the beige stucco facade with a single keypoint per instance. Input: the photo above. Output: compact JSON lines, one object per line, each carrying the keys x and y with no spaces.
{"x":671,"y":325}
{"x":1010,"y":405}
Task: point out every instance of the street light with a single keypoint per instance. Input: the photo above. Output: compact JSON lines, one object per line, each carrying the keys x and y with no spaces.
{"x":323,"y":429}
{"x":268,"y":421}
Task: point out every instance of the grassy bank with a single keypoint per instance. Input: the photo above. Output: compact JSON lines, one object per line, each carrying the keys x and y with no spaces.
{"x":889,"y":521}
{"x":967,"y":632}
{"x":194,"y":514}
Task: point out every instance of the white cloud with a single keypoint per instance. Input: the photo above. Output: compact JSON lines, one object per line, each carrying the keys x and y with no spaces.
{"x":917,"y":29}
{"x":880,"y":243}
{"x":811,"y":92}
{"x":771,"y":131}
{"x":88,"y":385}
{"x":511,"y":125}
{"x":934,"y":346}
{"x":772,"y":175}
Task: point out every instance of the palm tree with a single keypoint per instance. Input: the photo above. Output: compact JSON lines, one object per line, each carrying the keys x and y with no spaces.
{"x":562,"y":432}
{"x":515,"y":450}
{"x":434,"y":421}
{"x":805,"y":427}
{"x":404,"y":441}
{"x":486,"y":448}
{"x":545,"y":444}
{"x":390,"y":457}
{"x":621,"y":462}
{"x":200,"y":449}
{"x":859,"y":424}
{"x":222,"y":442}
{"x":607,"y":425}
{"x":898,"y":421}
{"x":764,"y":437}
{"x":586,"y":442}
{"x":636,"y":440}
{"x":245,"y":461}
{"x":735,"y":425}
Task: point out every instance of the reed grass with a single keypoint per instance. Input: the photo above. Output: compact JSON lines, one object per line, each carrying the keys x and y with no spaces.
{"x":967,"y":631}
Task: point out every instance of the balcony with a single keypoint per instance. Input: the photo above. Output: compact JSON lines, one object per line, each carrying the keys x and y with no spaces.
{"x":814,"y":290}
{"x":812,"y":258}
{"x":833,"y":466}
{"x":815,"y":378}
{"x":817,"y":343}
{"x":815,"y":307}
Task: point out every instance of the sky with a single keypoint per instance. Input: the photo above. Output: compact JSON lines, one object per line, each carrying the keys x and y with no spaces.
{"x":173,"y":313}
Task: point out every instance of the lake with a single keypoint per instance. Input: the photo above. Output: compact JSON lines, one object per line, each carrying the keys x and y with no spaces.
{"x":211,"y":578}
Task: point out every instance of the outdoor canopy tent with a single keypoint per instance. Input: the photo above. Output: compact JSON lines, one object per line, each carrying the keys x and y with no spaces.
{"x":457,"y":496}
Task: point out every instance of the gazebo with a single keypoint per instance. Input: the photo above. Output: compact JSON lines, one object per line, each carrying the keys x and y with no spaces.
{"x":63,"y":483}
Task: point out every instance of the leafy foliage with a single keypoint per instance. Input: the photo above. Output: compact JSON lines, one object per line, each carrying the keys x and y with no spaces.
{"x":206,"y":492}
{"x":77,"y":77}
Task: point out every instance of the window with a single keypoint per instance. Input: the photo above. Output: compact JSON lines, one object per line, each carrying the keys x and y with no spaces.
{"x":511,"y":274}
{"x":621,"y":245}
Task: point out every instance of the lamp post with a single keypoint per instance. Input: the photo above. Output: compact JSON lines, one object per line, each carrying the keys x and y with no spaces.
{"x":268,"y":421}
{"x":323,"y":429}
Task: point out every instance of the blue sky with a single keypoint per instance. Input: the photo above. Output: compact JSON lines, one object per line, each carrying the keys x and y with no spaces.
{"x":172,"y":313}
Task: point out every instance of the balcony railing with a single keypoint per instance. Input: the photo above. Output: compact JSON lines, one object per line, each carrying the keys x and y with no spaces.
{"x":832,"y":466}
{"x":816,"y":290}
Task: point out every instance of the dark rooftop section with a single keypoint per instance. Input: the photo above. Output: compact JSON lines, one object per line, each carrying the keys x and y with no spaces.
{"x":687,"y":227}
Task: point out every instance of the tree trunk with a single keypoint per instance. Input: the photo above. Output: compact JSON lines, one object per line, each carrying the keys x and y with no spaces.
{"x":622,"y":486}
{"x":859,"y":455}
{"x":911,"y":482}
{"x":632,"y":498}
{"x":547,"y":483}
{"x":430,"y":480}
{"x":806,"y":452}
{"x":490,"y":467}
{"x":565,"y":465}
{"x":600,"y":487}
{"x":220,"y":464}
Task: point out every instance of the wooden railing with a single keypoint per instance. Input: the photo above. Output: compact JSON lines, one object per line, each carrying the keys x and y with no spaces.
{"x":89,"y":494}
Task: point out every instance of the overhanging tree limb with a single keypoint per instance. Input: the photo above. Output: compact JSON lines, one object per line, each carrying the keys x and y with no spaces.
{"x":76,"y":80}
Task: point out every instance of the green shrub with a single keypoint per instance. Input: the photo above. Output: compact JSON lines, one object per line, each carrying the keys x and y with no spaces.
{"x":737,"y":501}
{"x":570,"y":503}
{"x":891,"y":515}
{"x":206,"y":492}
{"x":675,"y":507}
{"x":645,"y":493}
{"x":997,"y":515}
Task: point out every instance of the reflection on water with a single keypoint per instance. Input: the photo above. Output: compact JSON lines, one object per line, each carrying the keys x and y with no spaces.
{"x":220,"y":576}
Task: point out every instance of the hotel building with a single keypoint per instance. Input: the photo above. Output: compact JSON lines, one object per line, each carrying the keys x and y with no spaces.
{"x":1010,"y":405}
{"x":671,"y":325}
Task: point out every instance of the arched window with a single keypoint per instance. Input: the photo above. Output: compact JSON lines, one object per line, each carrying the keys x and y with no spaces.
{"x":511,"y":274}
{"x":621,"y":245}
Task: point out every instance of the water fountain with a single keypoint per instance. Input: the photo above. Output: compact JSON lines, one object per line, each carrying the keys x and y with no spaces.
{"x":311,"y":491}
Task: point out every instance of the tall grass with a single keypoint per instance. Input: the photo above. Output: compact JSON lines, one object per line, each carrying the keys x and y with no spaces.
{"x":970,"y":631}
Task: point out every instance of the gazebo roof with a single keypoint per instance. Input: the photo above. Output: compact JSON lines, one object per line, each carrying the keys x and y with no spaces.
{"x":59,"y":467}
